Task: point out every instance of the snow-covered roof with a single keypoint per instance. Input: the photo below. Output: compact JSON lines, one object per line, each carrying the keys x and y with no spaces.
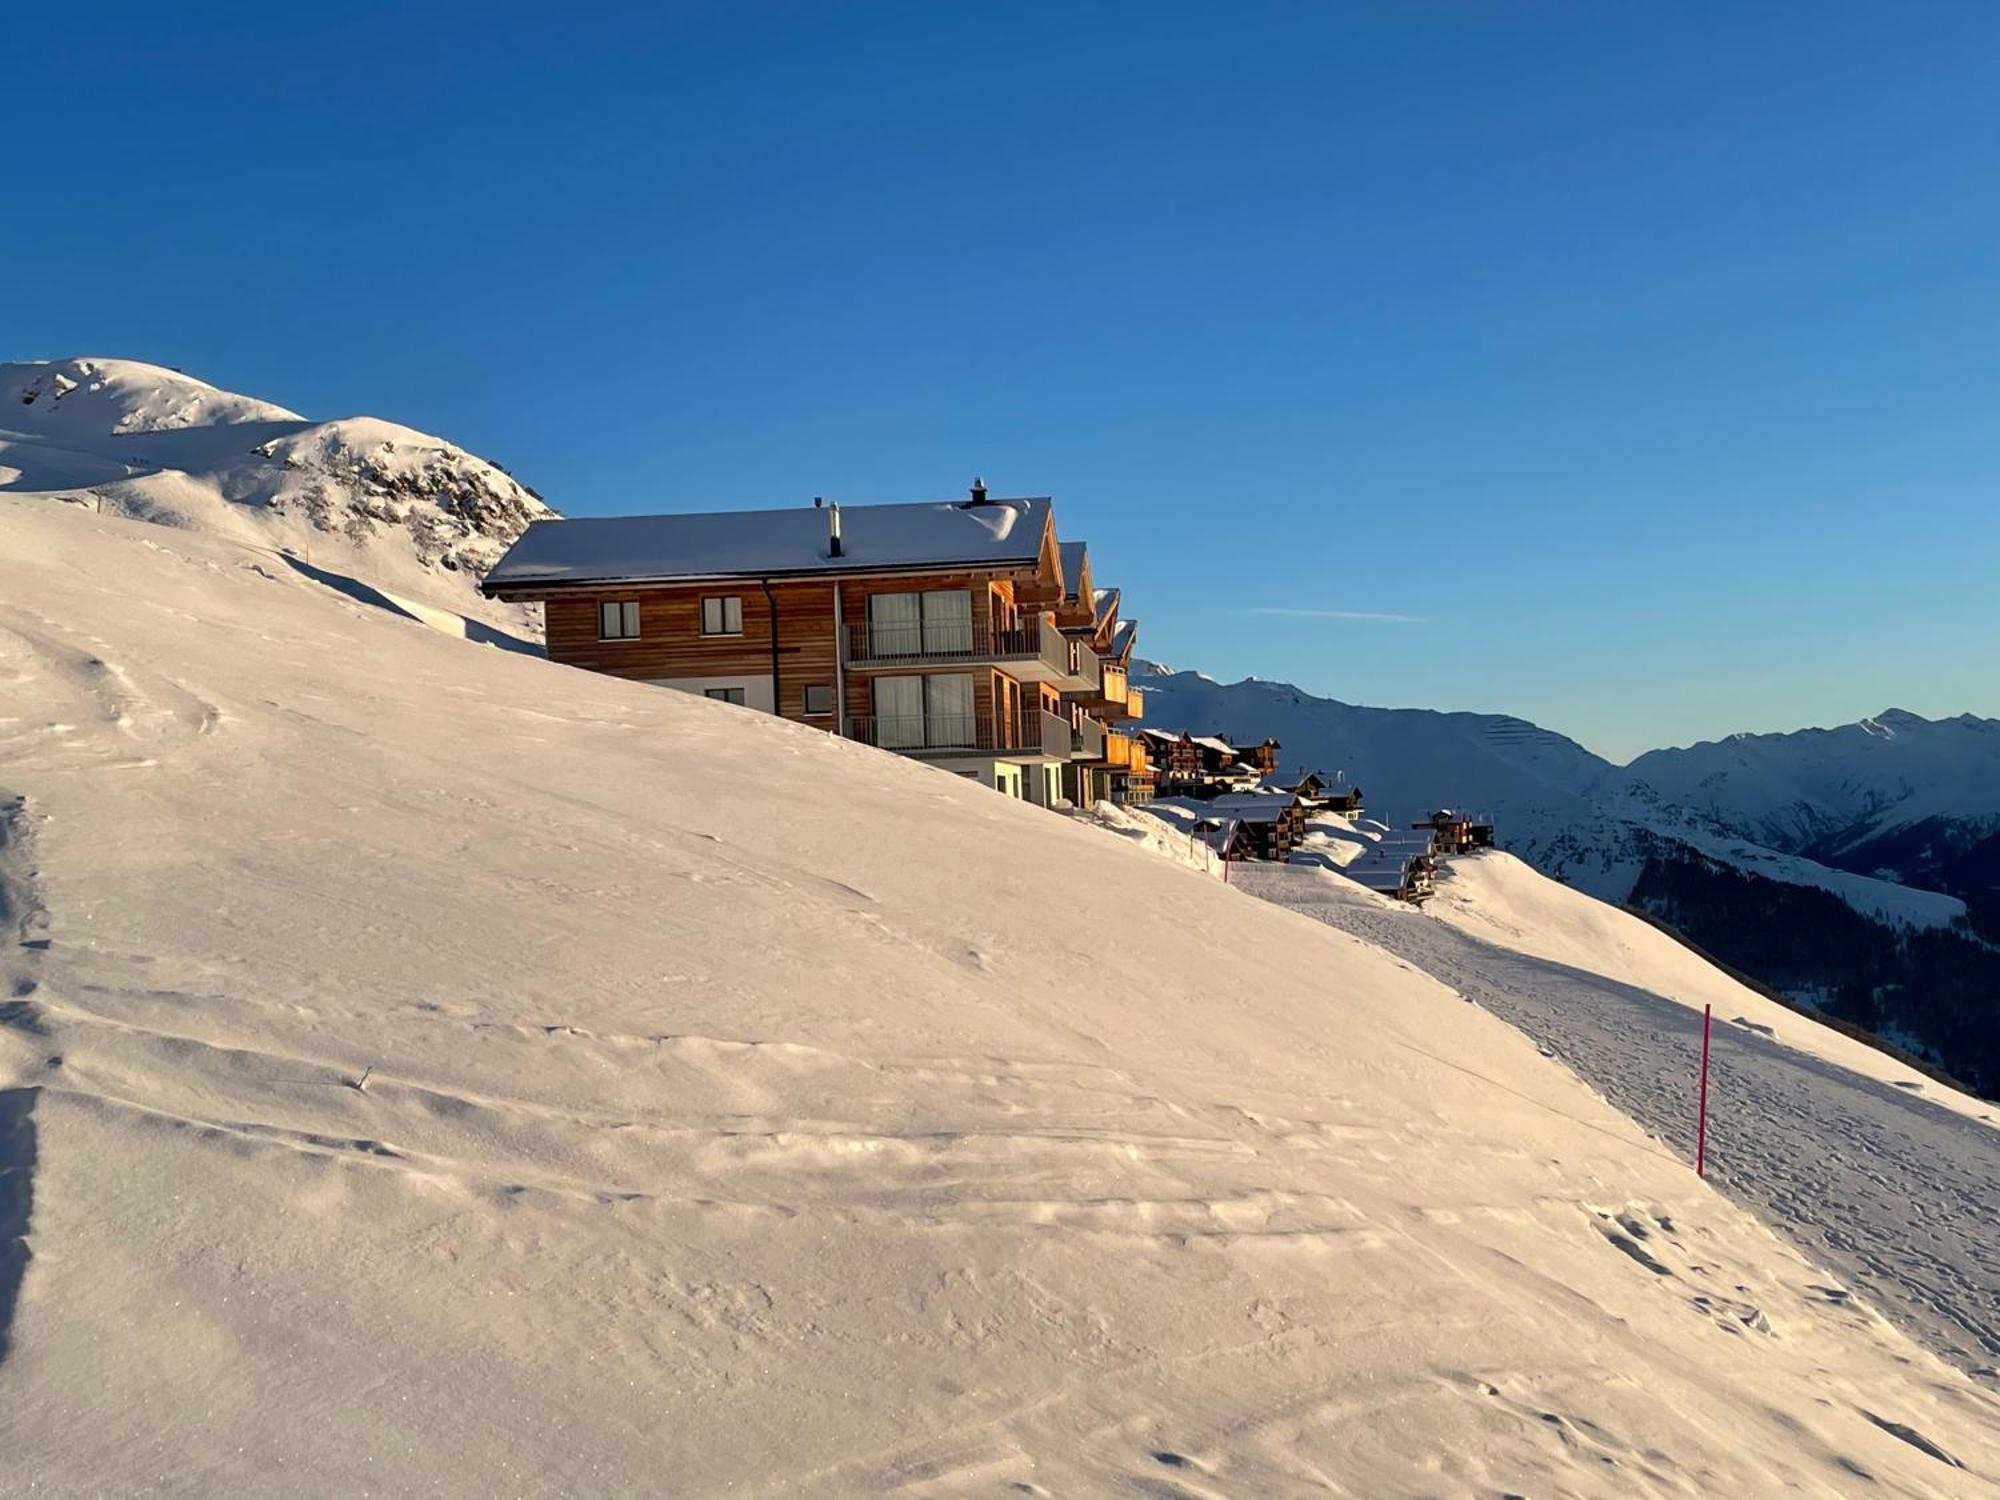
{"x":1264,"y":810}
{"x":760,"y":543}
{"x":1121,"y":638}
{"x":1378,"y":877}
{"x":1074,"y":555}
{"x":1261,"y":805}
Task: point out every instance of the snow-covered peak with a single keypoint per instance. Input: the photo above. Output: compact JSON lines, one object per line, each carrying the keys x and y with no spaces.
{"x":1570,"y":812}
{"x":371,"y":502}
{"x":117,"y":397}
{"x":1796,"y":790}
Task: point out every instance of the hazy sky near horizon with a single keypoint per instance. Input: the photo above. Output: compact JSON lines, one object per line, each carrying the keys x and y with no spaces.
{"x":1628,"y":368}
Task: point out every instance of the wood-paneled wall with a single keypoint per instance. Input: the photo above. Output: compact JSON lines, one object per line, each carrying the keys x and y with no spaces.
{"x":670,"y":643}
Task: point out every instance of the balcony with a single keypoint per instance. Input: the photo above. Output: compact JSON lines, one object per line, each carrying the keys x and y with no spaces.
{"x":1056,"y":739}
{"x":1086,"y":743}
{"x":1124,"y":753}
{"x":1032,"y":650}
{"x":1132,"y":709}
{"x":1106,"y":694}
{"x":1039,"y":735}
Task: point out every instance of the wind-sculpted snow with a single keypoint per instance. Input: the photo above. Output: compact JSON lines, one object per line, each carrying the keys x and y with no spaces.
{"x":456,"y":1074}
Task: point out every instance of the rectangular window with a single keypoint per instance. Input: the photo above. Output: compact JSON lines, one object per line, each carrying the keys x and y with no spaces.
{"x":899,"y":713}
{"x":935,"y":623}
{"x":722,"y":616}
{"x":925,"y":713}
{"x":819,"y":699}
{"x":725,"y":695}
{"x":948,"y":711}
{"x":948,"y":623}
{"x":618,"y":620}
{"x":895,"y":624}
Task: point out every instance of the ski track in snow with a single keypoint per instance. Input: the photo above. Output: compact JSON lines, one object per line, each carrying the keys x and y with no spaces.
{"x":1890,"y":1190}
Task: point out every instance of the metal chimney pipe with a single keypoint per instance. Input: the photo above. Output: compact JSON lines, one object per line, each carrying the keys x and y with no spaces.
{"x":978,"y":491}
{"x":833,"y":543}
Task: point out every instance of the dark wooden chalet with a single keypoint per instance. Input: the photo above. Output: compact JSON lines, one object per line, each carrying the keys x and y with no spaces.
{"x":1198,"y":765}
{"x":1267,"y":827}
{"x":1321,"y":795}
{"x":1455,"y":832}
{"x":1262,"y":757}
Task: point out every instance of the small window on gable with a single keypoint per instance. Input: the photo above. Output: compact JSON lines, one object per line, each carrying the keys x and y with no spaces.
{"x":819,"y":698}
{"x":618,"y":620}
{"x":726,"y":695}
{"x":722,"y":616}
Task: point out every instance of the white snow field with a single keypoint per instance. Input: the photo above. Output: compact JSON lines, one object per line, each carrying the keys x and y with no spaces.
{"x":389,"y":513}
{"x":430,"y":1070}
{"x":1878,"y":1172}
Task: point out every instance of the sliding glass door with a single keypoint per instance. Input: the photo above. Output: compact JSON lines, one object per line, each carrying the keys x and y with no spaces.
{"x":899,"y":713}
{"x":948,"y":717}
{"x":895,"y":625}
{"x":932,"y":712}
{"x":948,"y":623}
{"x":936,"y":623}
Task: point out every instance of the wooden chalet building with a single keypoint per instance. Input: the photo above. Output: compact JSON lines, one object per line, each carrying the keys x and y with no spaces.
{"x":1198,"y":765}
{"x":1262,"y":757}
{"x":1322,"y":795}
{"x":1138,"y":778}
{"x":1116,"y":767}
{"x":930,"y":629}
{"x":1259,"y":826}
{"x":1455,"y":832}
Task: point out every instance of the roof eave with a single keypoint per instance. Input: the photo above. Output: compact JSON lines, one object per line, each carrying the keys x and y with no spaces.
{"x":493,"y":590}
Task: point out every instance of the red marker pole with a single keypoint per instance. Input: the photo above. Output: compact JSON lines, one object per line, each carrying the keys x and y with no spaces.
{"x":1701,"y":1117}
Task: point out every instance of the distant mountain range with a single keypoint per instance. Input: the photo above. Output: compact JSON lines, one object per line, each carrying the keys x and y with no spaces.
{"x":1856,"y":869}
{"x":1898,"y":796}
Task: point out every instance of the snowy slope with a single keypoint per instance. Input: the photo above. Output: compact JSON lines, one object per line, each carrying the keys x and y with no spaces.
{"x":1873,"y":1169}
{"x":1570,"y":813}
{"x":1509,"y":905}
{"x":352,"y":500}
{"x":432,"y":1070}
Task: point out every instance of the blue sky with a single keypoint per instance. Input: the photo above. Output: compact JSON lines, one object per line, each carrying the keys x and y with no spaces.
{"x":1642,"y":356}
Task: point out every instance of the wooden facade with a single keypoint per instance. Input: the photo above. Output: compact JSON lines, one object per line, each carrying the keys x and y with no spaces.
{"x":1321,"y":795}
{"x":1261,"y":758}
{"x":1022,"y":633}
{"x":792,"y":634}
{"x":1270,"y":830}
{"x":788,"y":635}
{"x":1455,"y":833}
